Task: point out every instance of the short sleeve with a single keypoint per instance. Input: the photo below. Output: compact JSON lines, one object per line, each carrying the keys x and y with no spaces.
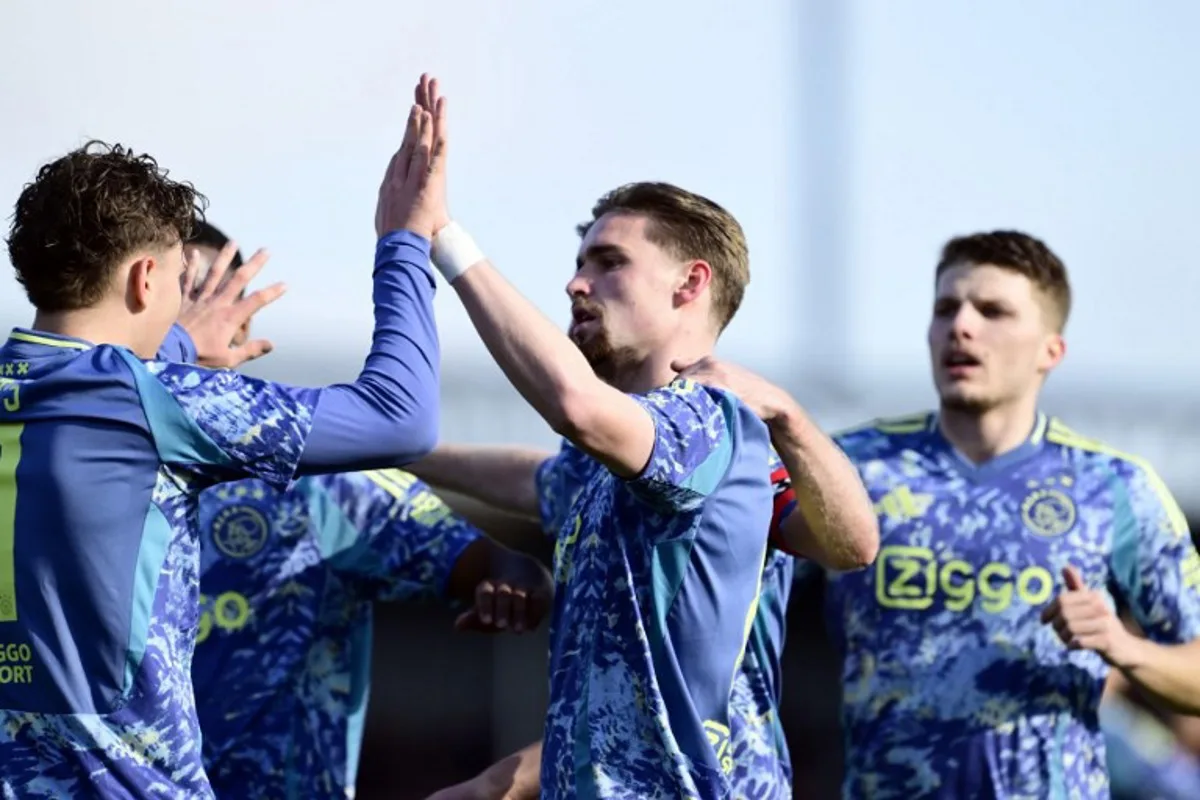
{"x":1154,"y":562}
{"x":221,"y":425}
{"x":389,"y":532}
{"x":560,"y":479}
{"x":693,"y":445}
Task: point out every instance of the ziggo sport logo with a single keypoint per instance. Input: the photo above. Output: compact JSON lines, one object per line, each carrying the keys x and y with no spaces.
{"x":911,"y":578}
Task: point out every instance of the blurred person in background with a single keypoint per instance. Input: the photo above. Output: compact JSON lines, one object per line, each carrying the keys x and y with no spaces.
{"x":976,"y":651}
{"x":287,"y":582}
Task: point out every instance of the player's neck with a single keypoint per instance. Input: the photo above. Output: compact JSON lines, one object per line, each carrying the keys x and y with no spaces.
{"x":984,"y":436}
{"x":89,"y":324}
{"x":655,"y":371}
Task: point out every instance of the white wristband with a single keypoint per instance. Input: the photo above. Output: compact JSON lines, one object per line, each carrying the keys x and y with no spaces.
{"x":453,"y":251}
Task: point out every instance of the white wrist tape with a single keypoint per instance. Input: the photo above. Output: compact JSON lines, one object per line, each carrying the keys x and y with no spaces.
{"x":454,"y":251}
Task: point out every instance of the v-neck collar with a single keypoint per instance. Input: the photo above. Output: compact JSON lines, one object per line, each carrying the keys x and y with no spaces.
{"x":998,"y":464}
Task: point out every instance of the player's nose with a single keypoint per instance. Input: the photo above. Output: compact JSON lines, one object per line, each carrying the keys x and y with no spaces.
{"x":963,"y":323}
{"x":578,"y":286}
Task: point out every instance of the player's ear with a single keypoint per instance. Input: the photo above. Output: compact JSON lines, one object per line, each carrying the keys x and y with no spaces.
{"x":1054,"y":349}
{"x":696,"y":277}
{"x":138,"y":283}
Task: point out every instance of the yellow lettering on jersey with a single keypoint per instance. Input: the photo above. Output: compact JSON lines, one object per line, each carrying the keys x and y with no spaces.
{"x":230,"y":612}
{"x":956,"y":583}
{"x":905,"y":589}
{"x":718,"y":738}
{"x":427,"y":509}
{"x":910,"y":578}
{"x":901,"y":505}
{"x":10,"y":456}
{"x":10,"y":394}
{"x":16,"y":663}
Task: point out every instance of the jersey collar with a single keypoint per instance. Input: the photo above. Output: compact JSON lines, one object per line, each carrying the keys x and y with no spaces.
{"x":30,"y":343}
{"x":1001,"y":463}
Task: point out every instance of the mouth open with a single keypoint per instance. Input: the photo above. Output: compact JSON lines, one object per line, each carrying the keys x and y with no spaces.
{"x":959,"y":363}
{"x":580,"y":315}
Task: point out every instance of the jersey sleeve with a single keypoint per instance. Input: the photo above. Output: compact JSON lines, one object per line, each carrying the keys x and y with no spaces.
{"x":220,"y":425}
{"x":389,"y":532}
{"x":559,"y":478}
{"x":693,"y":445}
{"x":1154,"y":562}
{"x":178,"y":346}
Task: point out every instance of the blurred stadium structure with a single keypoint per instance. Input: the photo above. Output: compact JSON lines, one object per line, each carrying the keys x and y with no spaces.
{"x":444,"y":706}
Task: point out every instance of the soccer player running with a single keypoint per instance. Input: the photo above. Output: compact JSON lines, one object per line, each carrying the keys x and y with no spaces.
{"x":287,"y":581}
{"x":659,"y":555}
{"x":976,"y":651}
{"x":103,"y":454}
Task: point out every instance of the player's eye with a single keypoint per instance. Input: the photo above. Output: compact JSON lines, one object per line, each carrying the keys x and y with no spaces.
{"x":945,"y":308}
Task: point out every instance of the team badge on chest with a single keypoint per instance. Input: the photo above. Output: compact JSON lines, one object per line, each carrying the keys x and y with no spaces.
{"x":239,"y":531}
{"x":1048,"y":509}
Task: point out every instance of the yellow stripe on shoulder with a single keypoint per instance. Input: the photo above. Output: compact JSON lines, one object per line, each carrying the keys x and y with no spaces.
{"x":908,"y":423}
{"x":393,"y":481}
{"x":1060,"y":434}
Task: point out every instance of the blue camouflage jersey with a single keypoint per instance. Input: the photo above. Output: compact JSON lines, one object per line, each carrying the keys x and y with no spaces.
{"x":762,"y":766}
{"x":101,"y":457}
{"x":282,"y":663}
{"x":657,"y":581}
{"x":952,"y":686}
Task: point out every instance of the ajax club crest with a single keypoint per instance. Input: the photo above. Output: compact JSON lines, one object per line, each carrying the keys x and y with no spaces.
{"x":1047,"y":510}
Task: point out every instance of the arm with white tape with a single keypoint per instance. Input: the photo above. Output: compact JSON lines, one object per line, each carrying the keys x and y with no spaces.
{"x":537,"y":357}
{"x":542,"y":363}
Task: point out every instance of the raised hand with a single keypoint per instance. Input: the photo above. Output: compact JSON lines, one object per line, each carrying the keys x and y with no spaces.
{"x":215,"y":312}
{"x":413,"y":193}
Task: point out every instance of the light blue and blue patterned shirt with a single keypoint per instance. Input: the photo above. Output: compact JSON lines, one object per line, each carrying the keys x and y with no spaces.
{"x":102,"y":459}
{"x":283,"y":656}
{"x":952,"y":686}
{"x":657,"y":586}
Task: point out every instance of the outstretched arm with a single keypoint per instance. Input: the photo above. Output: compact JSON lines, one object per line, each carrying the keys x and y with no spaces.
{"x":503,"y":477}
{"x":835,"y":525}
{"x":388,"y":416}
{"x":540,"y":361}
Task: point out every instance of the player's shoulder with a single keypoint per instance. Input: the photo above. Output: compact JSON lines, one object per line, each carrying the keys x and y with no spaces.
{"x":1096,"y":458}
{"x":1087,"y":452}
{"x":883,"y":435}
{"x":685,"y":393}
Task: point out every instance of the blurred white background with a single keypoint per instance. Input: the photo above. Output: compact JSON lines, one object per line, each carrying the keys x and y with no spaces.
{"x":851,"y":139}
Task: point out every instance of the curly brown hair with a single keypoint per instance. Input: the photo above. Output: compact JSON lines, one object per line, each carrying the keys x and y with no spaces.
{"x":87,"y":211}
{"x":1021,"y":253}
{"x":688,"y":226}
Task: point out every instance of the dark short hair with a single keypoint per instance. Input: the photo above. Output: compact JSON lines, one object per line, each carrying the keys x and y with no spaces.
{"x":688,"y":226}
{"x":1018,"y":252}
{"x":205,"y":234}
{"x":85,"y":212}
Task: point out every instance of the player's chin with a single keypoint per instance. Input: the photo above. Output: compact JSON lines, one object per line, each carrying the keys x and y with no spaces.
{"x":960,"y":396}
